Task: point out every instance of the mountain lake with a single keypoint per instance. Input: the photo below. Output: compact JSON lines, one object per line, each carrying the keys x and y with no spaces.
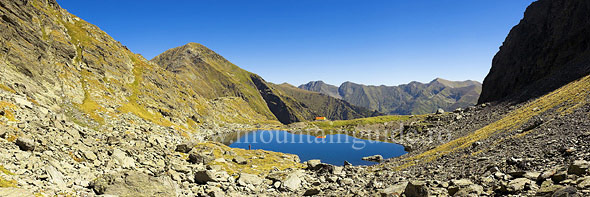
{"x":332,"y":149}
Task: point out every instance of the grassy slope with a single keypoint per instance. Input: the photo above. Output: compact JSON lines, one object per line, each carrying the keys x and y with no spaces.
{"x":346,"y":124}
{"x":211,"y":75}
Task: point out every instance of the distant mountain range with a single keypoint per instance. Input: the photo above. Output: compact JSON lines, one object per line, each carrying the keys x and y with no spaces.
{"x":412,"y":98}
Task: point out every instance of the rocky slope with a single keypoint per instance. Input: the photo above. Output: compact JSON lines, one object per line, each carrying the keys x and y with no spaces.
{"x":412,"y":98}
{"x":547,"y":49}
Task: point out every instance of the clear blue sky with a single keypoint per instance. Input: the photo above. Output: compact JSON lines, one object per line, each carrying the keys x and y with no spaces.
{"x":373,"y":42}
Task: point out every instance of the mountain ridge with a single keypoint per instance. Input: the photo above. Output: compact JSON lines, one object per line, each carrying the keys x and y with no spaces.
{"x":411,"y":98}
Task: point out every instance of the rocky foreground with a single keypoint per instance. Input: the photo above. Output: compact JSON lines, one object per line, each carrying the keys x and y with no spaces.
{"x":45,"y":154}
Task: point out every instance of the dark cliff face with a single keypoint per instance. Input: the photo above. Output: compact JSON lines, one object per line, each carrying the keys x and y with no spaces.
{"x":546,"y":50}
{"x":274,"y":102}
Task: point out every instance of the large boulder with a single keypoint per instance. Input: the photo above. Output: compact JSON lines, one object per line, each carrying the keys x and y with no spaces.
{"x":240,"y":160}
{"x":133,"y":184}
{"x":416,"y":189}
{"x":293,"y":182}
{"x":394,"y":190}
{"x":122,"y":158}
{"x":579,"y":167}
{"x":200,"y":158}
{"x":473,"y":190}
{"x":249,"y":179}
{"x":204,"y":176}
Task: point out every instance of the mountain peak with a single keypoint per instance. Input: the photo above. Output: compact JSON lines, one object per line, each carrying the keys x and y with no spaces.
{"x":195,"y":45}
{"x":440,"y":80}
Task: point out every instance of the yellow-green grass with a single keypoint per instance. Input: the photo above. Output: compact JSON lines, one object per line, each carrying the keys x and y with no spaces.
{"x":133,"y":105}
{"x":89,"y":106}
{"x":6,"y":88}
{"x":8,"y":109}
{"x":571,"y":94}
{"x":343,"y":124}
{"x":260,"y":162}
{"x":4,"y":182}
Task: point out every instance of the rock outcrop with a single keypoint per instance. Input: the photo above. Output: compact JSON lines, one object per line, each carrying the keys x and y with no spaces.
{"x":549,"y":48}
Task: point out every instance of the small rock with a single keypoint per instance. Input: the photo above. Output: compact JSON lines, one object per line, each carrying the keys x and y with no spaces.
{"x":518,"y":184}
{"x":199,"y":158}
{"x":23,"y":102}
{"x":558,"y":177}
{"x":346,"y":181}
{"x":311,"y":192}
{"x":215,"y":192}
{"x":25,"y":144}
{"x":440,"y":111}
{"x":184,"y":148}
{"x":240,"y":160}
{"x":470,"y":190}
{"x":546,"y":175}
{"x":461,"y":182}
{"x":377,"y":158}
{"x":531,"y":175}
{"x":89,"y":155}
{"x":517,"y":174}
{"x":584,"y":183}
{"x":346,"y":163}
{"x":204,"y":176}
{"x":249,"y":179}
{"x":313,"y":164}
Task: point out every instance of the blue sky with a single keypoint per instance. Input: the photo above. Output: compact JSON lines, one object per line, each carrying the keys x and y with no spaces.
{"x":372,"y":42}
